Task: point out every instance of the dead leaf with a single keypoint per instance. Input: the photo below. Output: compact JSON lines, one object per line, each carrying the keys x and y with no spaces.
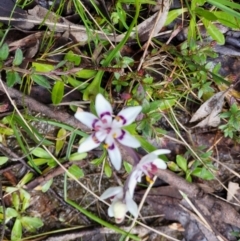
{"x":210,"y":109}
{"x":233,"y":190}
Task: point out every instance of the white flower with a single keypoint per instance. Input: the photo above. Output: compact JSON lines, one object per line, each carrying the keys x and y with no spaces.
{"x":108,"y":129}
{"x":122,"y":203}
{"x":150,"y":162}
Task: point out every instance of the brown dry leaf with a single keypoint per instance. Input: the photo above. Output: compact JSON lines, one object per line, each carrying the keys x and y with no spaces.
{"x":210,"y":109}
{"x":233,"y":190}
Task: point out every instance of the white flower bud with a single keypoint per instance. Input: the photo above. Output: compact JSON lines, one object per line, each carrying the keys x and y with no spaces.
{"x":119,"y":211}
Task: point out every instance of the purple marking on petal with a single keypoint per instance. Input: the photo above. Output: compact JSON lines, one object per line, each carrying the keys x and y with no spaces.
{"x":153,"y":168}
{"x":122,"y":135}
{"x":94,"y":123}
{"x":122,"y":118}
{"x":111,"y":147}
{"x":105,"y":113}
{"x":95,"y":139}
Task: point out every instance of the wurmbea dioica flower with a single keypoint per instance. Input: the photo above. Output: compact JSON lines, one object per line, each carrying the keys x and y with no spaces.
{"x":122,"y":197}
{"x":108,"y":129}
{"x":122,"y":202}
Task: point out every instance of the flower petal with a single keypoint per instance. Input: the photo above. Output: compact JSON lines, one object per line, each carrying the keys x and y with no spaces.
{"x":127,"y":139}
{"x":119,"y":210}
{"x":132,"y":180}
{"x":159,"y":163}
{"x":110,"y":211}
{"x":131,"y":205}
{"x":147,"y":159}
{"x":126,"y":116}
{"x":102,"y":106}
{"x":161,"y":152}
{"x":88,"y":144}
{"x":112,"y":191}
{"x":113,"y":152}
{"x":86,"y":118}
{"x":115,"y":156}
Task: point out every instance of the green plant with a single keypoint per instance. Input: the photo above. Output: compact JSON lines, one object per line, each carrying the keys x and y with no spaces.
{"x":194,"y":168}
{"x":231,"y":128}
{"x":20,"y":202}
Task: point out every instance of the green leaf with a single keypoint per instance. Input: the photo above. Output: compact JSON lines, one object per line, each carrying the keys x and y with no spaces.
{"x":41,"y":80}
{"x":128,"y":167}
{"x":6,"y":131}
{"x":173,"y":167}
{"x":182,"y":162}
{"x":3,"y":159}
{"x":77,"y":156}
{"x":227,"y":19}
{"x":57,"y":92}
{"x":203,"y":173}
{"x":162,"y":104}
{"x":76,"y":83}
{"x":205,"y":14}
{"x":13,"y":78}
{"x":31,"y":223}
{"x":25,"y":197}
{"x":16,"y":233}
{"x":47,"y":185}
{"x":86,"y":73}
{"x":10,"y":213}
{"x":26,"y":178}
{"x":74,"y":58}
{"x":4,"y":52}
{"x":38,"y":161}
{"x":76,"y":171}
{"x":222,"y":4}
{"x":61,"y":138}
{"x":107,"y":170}
{"x":18,"y":58}
{"x":214,"y":32}
{"x":16,"y":201}
{"x":40,"y":152}
{"x":172,"y":15}
{"x":46,"y":68}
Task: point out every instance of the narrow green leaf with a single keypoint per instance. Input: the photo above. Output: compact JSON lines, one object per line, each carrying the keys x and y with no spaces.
{"x":86,"y":73}
{"x":47,"y":185}
{"x":205,"y":14}
{"x":43,"y":67}
{"x":41,"y":80}
{"x":214,"y":32}
{"x":76,"y":171}
{"x":61,"y":138}
{"x":18,"y":58}
{"x":40,"y":152}
{"x":77,"y":156}
{"x":57,"y":92}
{"x":172,"y":15}
{"x":16,"y":200}
{"x":13,"y":78}
{"x":107,"y":170}
{"x":223,"y":6}
{"x":16,"y":233}
{"x":4,"y":52}
{"x":25,"y":197}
